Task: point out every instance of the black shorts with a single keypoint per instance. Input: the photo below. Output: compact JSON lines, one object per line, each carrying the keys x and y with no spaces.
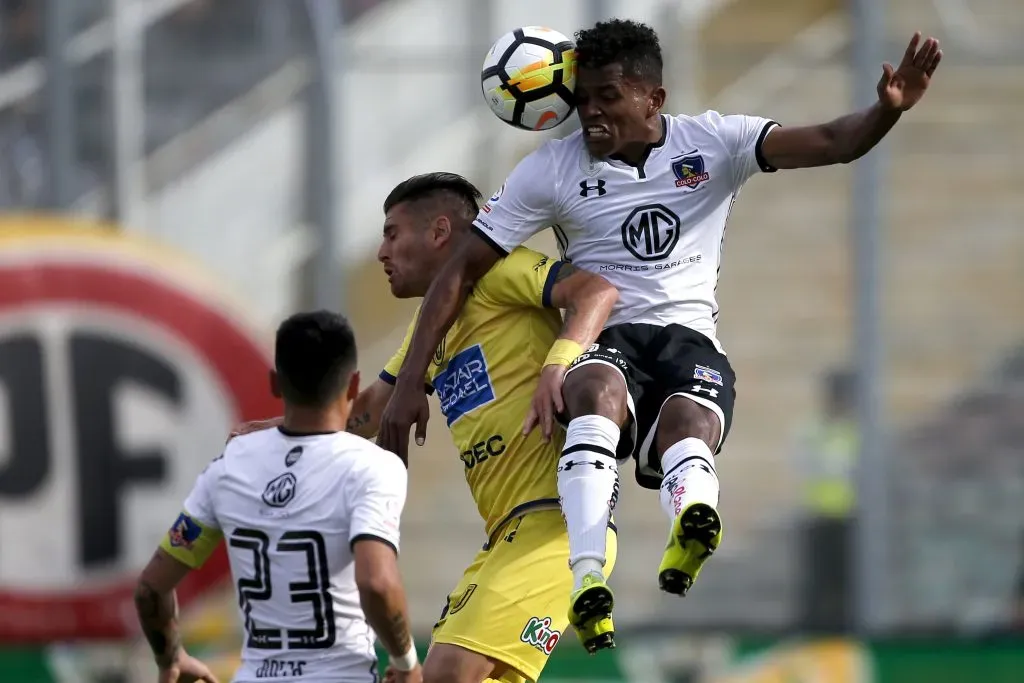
{"x":659,"y":362}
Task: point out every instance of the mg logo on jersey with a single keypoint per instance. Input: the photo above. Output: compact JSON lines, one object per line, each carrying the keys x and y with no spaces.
{"x":651,"y":232}
{"x":280,"y":490}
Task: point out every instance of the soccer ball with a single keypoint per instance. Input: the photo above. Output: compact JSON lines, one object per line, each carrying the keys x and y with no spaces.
{"x":528,"y":78}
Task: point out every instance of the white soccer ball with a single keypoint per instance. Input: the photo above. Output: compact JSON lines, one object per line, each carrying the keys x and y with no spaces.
{"x":528,"y":78}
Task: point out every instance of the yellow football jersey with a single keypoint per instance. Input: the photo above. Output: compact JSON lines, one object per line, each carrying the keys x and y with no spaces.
{"x":485,"y":373}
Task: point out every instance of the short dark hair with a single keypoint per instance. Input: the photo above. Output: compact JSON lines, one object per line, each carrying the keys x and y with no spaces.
{"x":621,"y":41}
{"x":450,"y":188}
{"x":315,"y":353}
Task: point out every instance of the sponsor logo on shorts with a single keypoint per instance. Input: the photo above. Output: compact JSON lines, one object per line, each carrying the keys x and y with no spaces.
{"x":184,"y":532}
{"x":460,"y":602}
{"x":539,"y":634}
{"x":705,"y":374}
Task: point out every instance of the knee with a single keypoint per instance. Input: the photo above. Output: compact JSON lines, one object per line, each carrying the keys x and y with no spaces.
{"x":682,"y":418}
{"x":447,"y":664}
{"x":595,"y":390}
{"x":438,"y":668}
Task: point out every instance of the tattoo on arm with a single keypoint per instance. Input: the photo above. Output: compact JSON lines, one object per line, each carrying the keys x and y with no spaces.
{"x":358,"y":421}
{"x":158,"y":615}
{"x":400,"y":632}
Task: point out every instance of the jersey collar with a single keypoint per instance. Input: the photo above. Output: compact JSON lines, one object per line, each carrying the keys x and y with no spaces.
{"x":298,"y":435}
{"x":647,"y":150}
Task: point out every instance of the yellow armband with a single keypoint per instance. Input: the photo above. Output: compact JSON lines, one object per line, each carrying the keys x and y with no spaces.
{"x":563,"y":352}
{"x":191,"y":542}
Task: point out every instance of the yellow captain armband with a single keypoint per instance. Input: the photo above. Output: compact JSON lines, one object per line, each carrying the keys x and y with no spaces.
{"x":563,"y":352}
{"x":190,"y":541}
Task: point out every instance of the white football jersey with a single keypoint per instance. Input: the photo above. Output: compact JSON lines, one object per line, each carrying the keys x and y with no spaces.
{"x":290,"y":508}
{"x":656,"y":230}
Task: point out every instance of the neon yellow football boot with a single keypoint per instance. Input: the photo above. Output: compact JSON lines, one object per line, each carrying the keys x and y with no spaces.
{"x":695,"y":535}
{"x":590,"y":613}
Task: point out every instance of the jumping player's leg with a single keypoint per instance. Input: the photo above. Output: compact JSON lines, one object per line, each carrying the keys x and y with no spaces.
{"x":687,"y":437}
{"x":597,"y":398}
{"x":696,"y":387}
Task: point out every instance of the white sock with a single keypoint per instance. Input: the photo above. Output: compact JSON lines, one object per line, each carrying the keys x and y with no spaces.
{"x":588,"y":488}
{"x":690,"y":476}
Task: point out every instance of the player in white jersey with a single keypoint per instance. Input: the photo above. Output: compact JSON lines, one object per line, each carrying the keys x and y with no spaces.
{"x":310,"y":517}
{"x":642,"y":198}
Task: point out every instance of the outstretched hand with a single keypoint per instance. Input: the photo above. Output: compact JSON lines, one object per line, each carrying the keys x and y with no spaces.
{"x":902,"y":87}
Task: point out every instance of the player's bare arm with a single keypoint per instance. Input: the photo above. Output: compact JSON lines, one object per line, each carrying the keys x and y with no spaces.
{"x":586,"y":300}
{"x":383,"y":598}
{"x":850,"y":137}
{"x":157,"y":606}
{"x":367,"y":409}
{"x":364,"y":420}
{"x":255,"y":426}
{"x":471,"y":260}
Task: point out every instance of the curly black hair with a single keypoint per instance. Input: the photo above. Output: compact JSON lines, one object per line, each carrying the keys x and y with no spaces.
{"x":622,"y":41}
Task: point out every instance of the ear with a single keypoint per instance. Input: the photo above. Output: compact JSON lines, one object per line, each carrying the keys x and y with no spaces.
{"x":353,"y":386}
{"x":656,"y":101}
{"x":441,"y":229}
{"x":275,"y":384}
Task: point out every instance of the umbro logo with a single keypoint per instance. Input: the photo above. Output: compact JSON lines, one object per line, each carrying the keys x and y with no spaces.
{"x":597,"y":186}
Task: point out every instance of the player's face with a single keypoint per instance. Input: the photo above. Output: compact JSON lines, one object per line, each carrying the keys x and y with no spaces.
{"x":613,"y":110}
{"x":406,"y":252}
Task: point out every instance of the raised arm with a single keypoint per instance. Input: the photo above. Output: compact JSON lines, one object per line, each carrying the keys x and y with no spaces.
{"x":850,"y":137}
{"x":522,"y":207}
{"x":586,"y":300}
{"x":472,"y":258}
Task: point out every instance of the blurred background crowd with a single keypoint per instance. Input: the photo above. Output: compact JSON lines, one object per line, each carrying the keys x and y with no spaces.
{"x":258,"y":138}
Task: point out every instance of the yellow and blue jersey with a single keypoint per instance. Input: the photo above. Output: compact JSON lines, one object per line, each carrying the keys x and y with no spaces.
{"x":485,"y":372}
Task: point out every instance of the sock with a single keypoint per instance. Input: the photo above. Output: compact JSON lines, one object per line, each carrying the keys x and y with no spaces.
{"x":690,"y":476}
{"x":588,"y":488}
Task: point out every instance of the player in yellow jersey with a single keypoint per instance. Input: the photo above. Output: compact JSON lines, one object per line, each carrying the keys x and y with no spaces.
{"x":509,"y":610}
{"x":507,"y":613}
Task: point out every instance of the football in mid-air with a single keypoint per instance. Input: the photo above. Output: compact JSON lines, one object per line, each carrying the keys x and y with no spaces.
{"x":528,"y":78}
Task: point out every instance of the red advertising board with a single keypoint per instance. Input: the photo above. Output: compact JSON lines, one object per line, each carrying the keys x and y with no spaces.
{"x":122,"y":367}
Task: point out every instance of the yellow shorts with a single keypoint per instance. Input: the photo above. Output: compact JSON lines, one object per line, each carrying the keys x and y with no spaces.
{"x":512,"y":603}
